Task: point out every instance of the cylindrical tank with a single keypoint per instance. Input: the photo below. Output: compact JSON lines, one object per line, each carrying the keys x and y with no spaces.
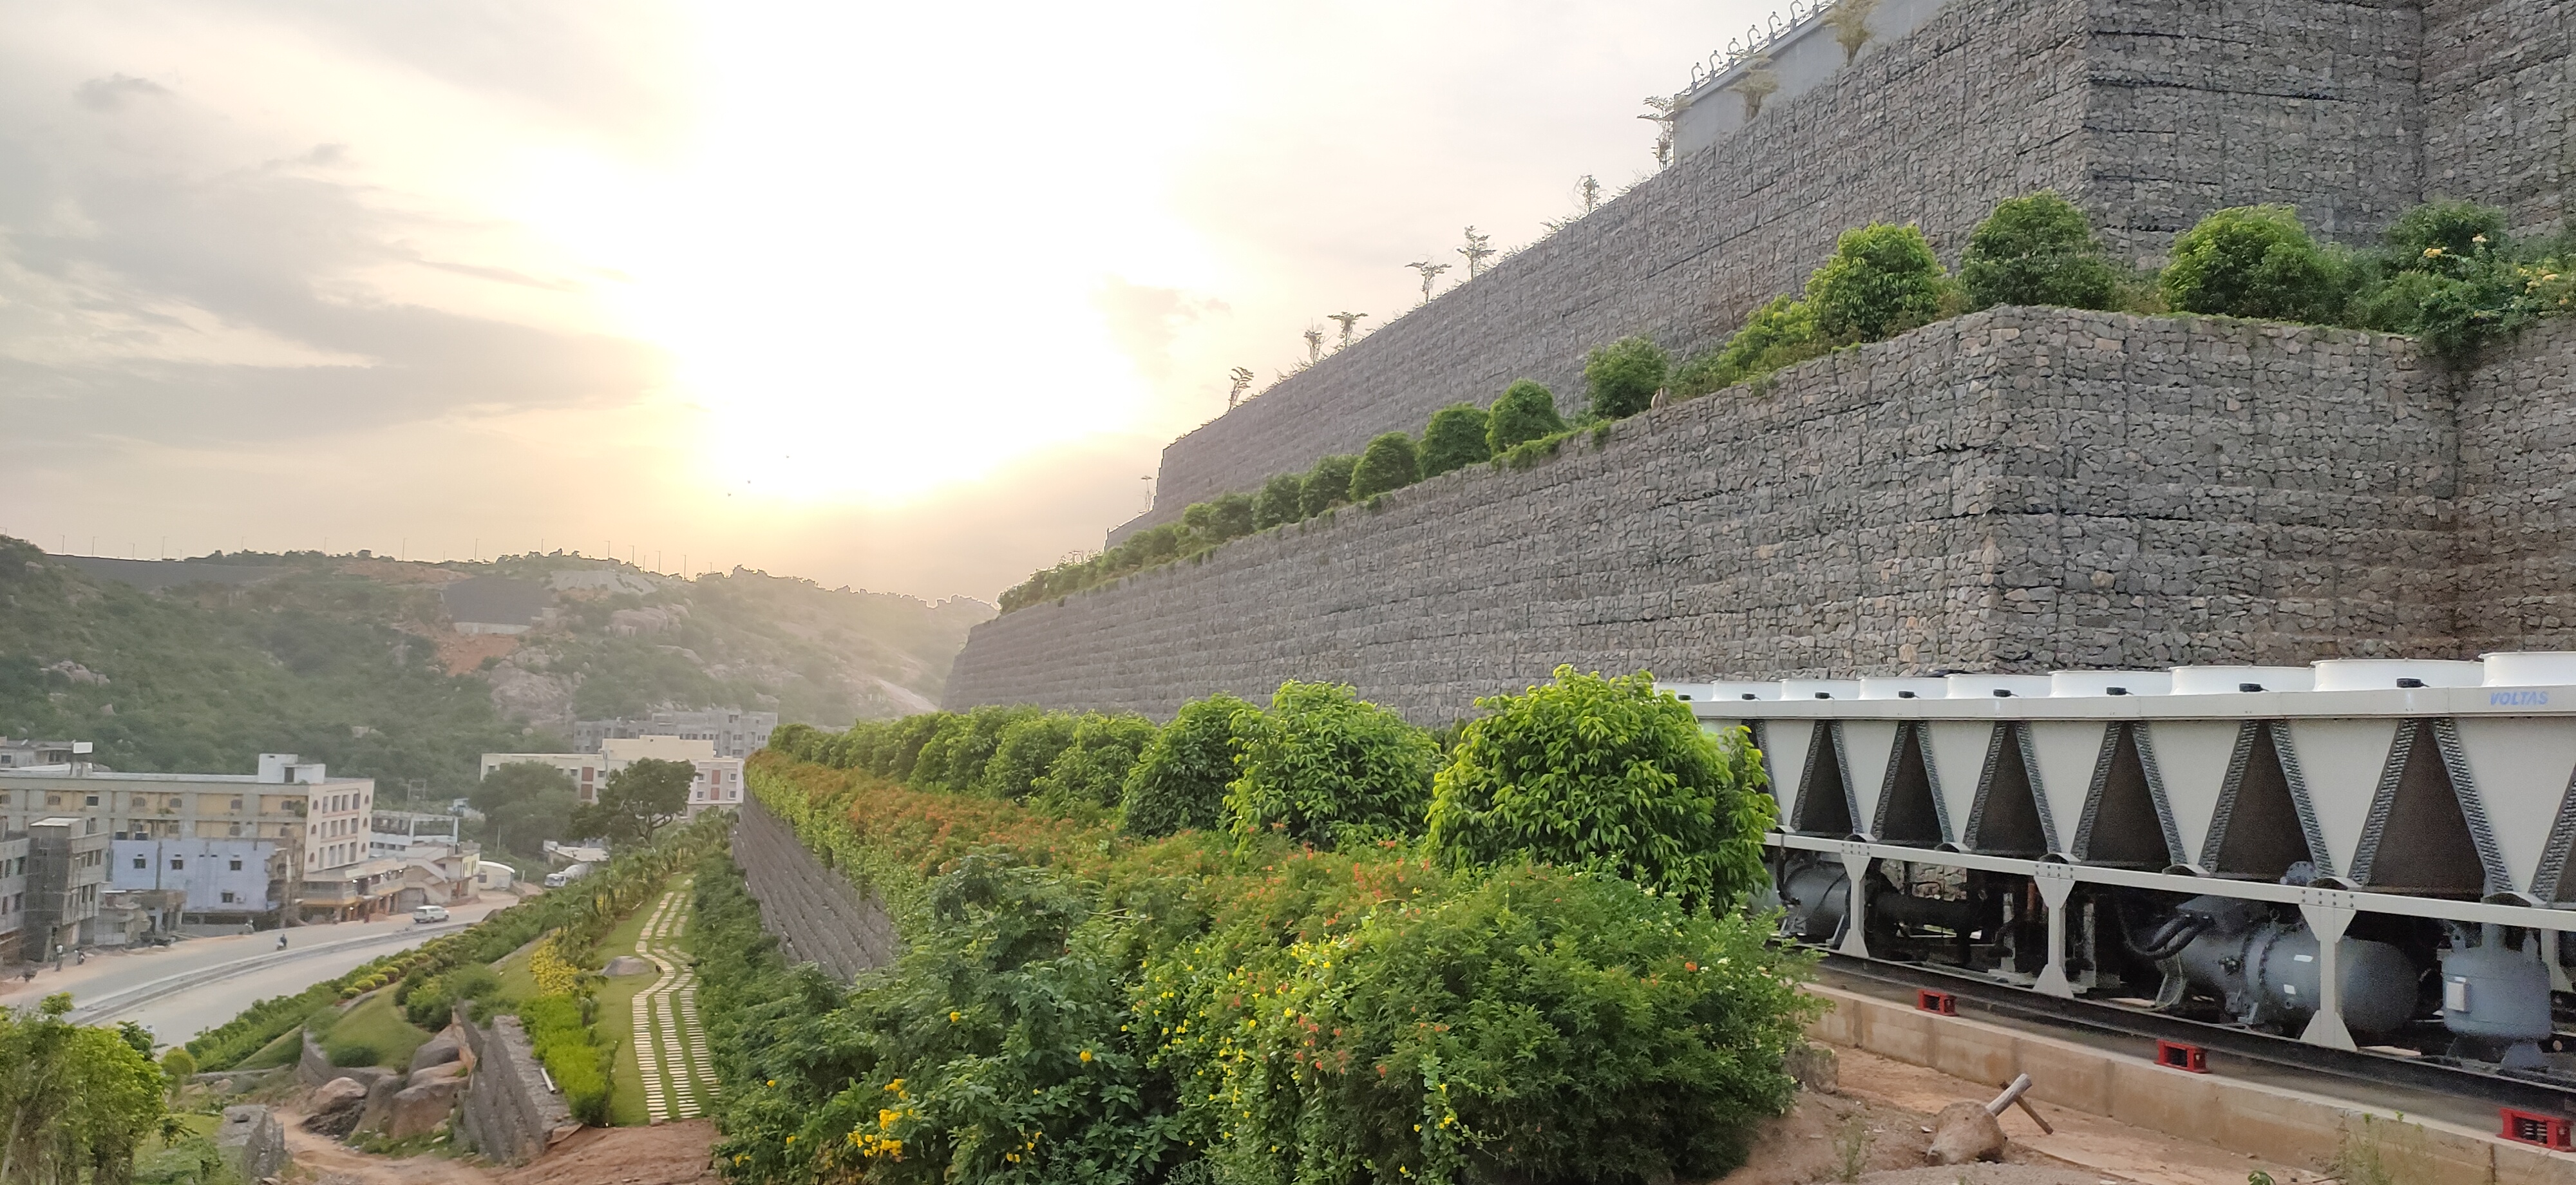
{"x":2268,"y":975}
{"x":2495,"y":992}
{"x":1816,"y":897}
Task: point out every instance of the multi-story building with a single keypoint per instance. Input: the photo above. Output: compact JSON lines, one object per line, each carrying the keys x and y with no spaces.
{"x":718,"y":782}
{"x":239,"y":845}
{"x":22,"y":754}
{"x":66,"y":869}
{"x":394,"y":833}
{"x":13,"y":895}
{"x":733,"y":732}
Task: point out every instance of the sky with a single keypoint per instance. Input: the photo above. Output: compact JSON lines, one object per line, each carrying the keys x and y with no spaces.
{"x":907,"y":298}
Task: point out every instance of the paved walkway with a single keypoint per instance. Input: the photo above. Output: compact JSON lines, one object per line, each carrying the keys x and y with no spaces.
{"x":670,"y":1044}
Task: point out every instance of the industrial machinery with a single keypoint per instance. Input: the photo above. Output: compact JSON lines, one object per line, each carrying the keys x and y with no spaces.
{"x":2363,"y":853}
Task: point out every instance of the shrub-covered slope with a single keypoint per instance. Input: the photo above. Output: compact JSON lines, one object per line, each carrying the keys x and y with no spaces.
{"x":355,"y":661}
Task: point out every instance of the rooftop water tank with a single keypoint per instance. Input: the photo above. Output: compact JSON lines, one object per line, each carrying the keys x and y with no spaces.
{"x":2229,"y":680}
{"x":1985,"y":686}
{"x":2380,"y":674}
{"x":1894,"y":688}
{"x":2075,"y":683}
{"x":1820,"y":689}
{"x":2531,"y":668}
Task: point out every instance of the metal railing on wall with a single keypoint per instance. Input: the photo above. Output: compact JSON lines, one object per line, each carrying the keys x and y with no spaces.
{"x":1756,"y":40}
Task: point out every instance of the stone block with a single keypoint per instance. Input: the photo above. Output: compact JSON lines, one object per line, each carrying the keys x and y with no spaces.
{"x":336,"y":1107}
{"x":252,"y":1142}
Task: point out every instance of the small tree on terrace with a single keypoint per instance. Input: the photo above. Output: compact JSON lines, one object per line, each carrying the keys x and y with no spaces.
{"x":1526,"y":412}
{"x":1023,"y":752}
{"x":1389,"y":463}
{"x":1881,"y":281}
{"x":2252,"y":261}
{"x":1455,"y":439}
{"x":1327,"y":485}
{"x":1179,"y":779}
{"x":1327,"y":768}
{"x":1620,"y":379}
{"x":1609,"y":775}
{"x":2037,"y":249}
{"x":1092,"y":770}
{"x":1277,"y":502}
{"x":637,"y":801}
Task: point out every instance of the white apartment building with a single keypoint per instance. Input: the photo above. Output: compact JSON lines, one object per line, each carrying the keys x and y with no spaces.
{"x":734,"y":732}
{"x":239,"y":845}
{"x":718,"y":782}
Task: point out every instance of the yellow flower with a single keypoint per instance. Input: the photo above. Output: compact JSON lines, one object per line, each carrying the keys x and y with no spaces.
{"x":2431,"y":252}
{"x":954,"y":1015}
{"x":1086,"y":1055}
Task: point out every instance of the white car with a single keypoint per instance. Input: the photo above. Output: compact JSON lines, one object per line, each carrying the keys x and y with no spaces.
{"x":428,"y":914}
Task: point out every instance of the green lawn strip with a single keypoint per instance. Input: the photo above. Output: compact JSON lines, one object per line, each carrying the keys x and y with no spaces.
{"x":281,"y":1052}
{"x":375,"y":1023}
{"x":517,"y":982}
{"x":617,"y":1016}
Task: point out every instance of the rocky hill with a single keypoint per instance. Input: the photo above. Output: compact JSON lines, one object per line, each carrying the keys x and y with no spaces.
{"x":395,"y":670}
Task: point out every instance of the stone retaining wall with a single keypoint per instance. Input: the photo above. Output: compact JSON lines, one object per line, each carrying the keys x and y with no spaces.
{"x":509,"y":1113}
{"x":817,"y":914}
{"x":2019,"y":489}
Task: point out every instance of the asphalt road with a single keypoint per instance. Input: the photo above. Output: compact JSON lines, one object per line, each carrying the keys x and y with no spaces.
{"x":179,"y":990}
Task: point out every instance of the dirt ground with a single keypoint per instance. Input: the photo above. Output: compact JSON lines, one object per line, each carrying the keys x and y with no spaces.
{"x":1884,"y":1115}
{"x":670,"y":1154}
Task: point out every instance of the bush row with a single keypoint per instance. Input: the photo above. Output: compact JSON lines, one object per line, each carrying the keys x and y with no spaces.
{"x":225,"y":1045}
{"x":2447,"y":273}
{"x":1494,"y":995}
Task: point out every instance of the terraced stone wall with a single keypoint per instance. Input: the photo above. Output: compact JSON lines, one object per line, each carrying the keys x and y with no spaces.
{"x":2517,"y":503}
{"x":2500,"y":106}
{"x":2019,"y":489}
{"x":2149,"y":113}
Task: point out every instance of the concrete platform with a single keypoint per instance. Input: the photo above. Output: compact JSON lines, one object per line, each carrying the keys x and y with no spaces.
{"x":2262,"y":1119}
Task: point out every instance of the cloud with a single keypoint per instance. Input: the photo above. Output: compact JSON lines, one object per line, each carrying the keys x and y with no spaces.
{"x":1144,"y":321}
{"x":110,"y":94}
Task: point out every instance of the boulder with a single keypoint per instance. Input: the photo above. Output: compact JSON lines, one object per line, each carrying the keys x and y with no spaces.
{"x":628,"y":965}
{"x":252,"y":1141}
{"x":441,"y":1072}
{"x":380,"y":1101}
{"x":443,"y":1048}
{"x":418,"y":1110}
{"x":1814,"y":1067}
{"x":336,"y":1107}
{"x":1963,"y":1132}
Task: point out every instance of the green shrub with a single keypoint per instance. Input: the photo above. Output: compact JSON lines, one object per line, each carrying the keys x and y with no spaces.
{"x":1231,"y":517}
{"x":1609,"y":775}
{"x":1620,"y":379}
{"x":1278,"y":502}
{"x":1700,"y":374}
{"x":1092,"y":770}
{"x":2252,"y":261}
{"x":1024,"y":751}
{"x":954,"y":758}
{"x":1778,"y":334}
{"x":1388,"y":463}
{"x":350,"y":1053}
{"x":901,"y":754}
{"x":2037,"y":249}
{"x":2449,"y":276}
{"x":560,"y":1037}
{"x":431,"y":1004}
{"x":1526,"y":412}
{"x":1324,"y":767}
{"x":2444,"y":237}
{"x":1327,"y":485}
{"x":1535,"y":1024}
{"x":1455,"y":439}
{"x":1180,"y":777}
{"x":1881,"y":281}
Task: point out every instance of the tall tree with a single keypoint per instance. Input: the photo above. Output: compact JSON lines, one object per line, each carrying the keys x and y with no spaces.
{"x":637,"y":801}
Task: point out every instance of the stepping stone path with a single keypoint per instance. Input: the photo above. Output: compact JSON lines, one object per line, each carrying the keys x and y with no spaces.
{"x":670,"y":1044}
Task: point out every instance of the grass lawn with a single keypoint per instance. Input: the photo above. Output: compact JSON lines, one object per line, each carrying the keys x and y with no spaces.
{"x":617,"y":1018}
{"x":517,"y":982}
{"x":378,"y":1024}
{"x":281,"y":1052}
